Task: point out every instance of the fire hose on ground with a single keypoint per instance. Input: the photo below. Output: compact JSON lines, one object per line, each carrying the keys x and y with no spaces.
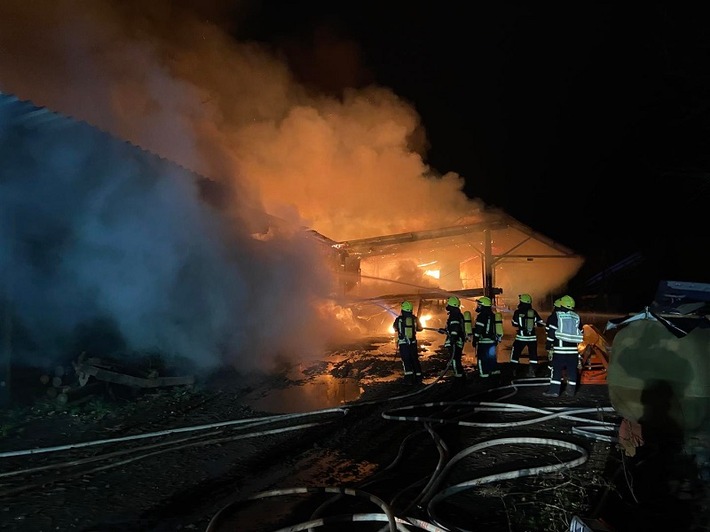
{"x":428,"y":495}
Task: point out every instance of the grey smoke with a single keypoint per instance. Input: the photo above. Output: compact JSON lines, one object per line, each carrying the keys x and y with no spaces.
{"x":112,"y":250}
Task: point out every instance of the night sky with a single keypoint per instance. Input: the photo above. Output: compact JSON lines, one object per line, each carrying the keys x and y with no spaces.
{"x":589,"y":123}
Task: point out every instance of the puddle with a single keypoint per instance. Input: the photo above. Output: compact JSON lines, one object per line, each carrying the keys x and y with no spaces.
{"x":324,"y":391}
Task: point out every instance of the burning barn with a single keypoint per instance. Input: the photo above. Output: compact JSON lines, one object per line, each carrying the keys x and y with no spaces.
{"x":111,"y":249}
{"x":491,"y":252}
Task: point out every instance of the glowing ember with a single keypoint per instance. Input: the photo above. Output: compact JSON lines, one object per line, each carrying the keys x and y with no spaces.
{"x":425,"y":319}
{"x":433,"y":273}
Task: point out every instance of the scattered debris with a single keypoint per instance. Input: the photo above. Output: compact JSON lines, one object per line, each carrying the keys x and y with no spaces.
{"x":87,"y":370}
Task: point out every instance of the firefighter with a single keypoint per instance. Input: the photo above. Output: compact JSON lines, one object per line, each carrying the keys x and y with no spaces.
{"x":565,"y":333}
{"x":406,"y":326}
{"x":548,"y":339}
{"x":455,"y":338}
{"x":486,"y":336}
{"x":525,"y":319}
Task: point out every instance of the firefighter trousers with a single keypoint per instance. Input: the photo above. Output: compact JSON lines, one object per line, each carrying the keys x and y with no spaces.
{"x":487,"y":357}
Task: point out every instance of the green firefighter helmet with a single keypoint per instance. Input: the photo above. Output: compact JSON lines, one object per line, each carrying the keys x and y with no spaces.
{"x":525,"y":298}
{"x":557,"y":303}
{"x":567,"y":302}
{"x":484,"y":301}
{"x":453,"y":302}
{"x":407,"y":306}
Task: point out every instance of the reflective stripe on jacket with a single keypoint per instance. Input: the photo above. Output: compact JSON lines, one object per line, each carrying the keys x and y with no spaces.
{"x":455,"y":331}
{"x":525,"y":319}
{"x":484,"y":330}
{"x":407,"y":326}
{"x":565,"y":332}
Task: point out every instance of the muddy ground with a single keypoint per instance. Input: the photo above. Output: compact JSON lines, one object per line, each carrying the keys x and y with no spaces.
{"x":273,"y":454}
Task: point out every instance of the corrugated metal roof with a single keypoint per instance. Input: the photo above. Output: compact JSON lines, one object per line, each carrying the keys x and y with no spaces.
{"x":24,"y":113}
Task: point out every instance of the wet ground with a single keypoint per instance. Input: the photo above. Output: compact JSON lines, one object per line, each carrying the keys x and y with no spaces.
{"x":322,"y":443}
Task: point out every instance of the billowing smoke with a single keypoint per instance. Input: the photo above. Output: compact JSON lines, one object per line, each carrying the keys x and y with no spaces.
{"x":145,"y":256}
{"x":111,"y":253}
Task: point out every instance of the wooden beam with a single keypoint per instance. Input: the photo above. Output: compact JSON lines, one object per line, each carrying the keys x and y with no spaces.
{"x":129,"y":380}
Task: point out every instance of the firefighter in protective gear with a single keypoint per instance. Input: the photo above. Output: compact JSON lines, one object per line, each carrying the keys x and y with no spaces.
{"x":565,"y":333}
{"x":455,"y":338}
{"x":525,"y":320}
{"x":548,"y":340}
{"x":406,"y":325}
{"x":486,"y":338}
{"x":453,"y":301}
